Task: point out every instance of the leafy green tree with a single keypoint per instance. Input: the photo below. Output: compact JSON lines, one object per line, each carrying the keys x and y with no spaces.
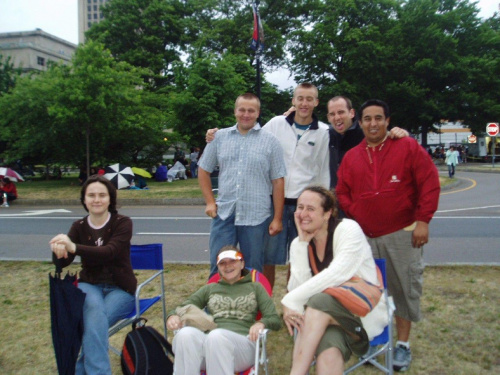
{"x":205,"y":92}
{"x":145,"y":33}
{"x":421,"y":56}
{"x":96,"y":110}
{"x":8,"y":74}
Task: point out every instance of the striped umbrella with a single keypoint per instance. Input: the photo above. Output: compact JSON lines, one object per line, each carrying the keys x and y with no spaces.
{"x":120,"y":175}
{"x":11,"y":174}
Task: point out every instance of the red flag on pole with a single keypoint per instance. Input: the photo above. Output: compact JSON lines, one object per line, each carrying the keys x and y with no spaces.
{"x":258,"y":31}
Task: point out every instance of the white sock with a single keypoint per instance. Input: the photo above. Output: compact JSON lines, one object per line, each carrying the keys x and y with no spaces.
{"x":403,"y":343}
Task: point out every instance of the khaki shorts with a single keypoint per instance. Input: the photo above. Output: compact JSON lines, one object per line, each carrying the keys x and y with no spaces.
{"x":336,"y":336}
{"x":405,"y":269}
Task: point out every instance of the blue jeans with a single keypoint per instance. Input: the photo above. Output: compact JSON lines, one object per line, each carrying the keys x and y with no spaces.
{"x":104,"y":305}
{"x":278,"y":246}
{"x":451,"y":170}
{"x":194,"y":169}
{"x":252,"y":240}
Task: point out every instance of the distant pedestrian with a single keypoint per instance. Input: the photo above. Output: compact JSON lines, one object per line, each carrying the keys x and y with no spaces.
{"x":451,"y":160}
{"x":193,"y":157}
{"x":8,"y":191}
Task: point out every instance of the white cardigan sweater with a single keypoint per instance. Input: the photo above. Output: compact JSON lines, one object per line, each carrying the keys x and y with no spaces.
{"x":352,"y":255}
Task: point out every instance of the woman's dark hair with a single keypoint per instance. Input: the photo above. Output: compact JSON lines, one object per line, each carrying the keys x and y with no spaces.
{"x":111,"y":191}
{"x":328,"y":199}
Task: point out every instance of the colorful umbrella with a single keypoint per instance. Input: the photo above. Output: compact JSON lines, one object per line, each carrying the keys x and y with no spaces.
{"x":120,"y":175}
{"x":66,"y":312}
{"x":141,"y":172}
{"x":10,"y":173}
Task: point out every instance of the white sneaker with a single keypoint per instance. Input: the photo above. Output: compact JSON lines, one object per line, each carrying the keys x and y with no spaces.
{"x":5,"y":204}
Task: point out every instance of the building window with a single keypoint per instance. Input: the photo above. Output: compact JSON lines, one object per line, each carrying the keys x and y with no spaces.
{"x":95,"y":16}
{"x":101,"y":16}
{"x":89,"y":24}
{"x":89,"y":8}
{"x":40,"y":61}
{"x":95,"y":8}
{"x":89,"y":16}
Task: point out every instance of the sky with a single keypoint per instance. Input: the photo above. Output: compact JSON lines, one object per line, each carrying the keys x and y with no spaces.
{"x":60,"y":18}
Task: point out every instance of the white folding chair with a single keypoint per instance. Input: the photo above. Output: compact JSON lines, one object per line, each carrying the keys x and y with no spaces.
{"x":144,"y":257}
{"x":383,"y":342}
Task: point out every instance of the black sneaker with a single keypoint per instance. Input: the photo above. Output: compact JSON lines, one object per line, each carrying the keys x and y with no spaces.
{"x":402,"y":358}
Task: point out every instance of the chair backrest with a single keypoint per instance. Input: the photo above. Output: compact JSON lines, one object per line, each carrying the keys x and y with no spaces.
{"x":256,"y":277}
{"x":381,"y":266}
{"x":147,"y":257}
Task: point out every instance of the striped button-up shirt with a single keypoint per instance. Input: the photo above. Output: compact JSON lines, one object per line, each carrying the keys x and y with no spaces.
{"x":247,"y":165}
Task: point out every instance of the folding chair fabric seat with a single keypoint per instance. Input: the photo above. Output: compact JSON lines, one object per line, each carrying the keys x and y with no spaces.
{"x":144,"y":257}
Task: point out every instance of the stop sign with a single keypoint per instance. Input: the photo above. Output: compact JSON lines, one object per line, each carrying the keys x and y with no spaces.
{"x":492,"y":129}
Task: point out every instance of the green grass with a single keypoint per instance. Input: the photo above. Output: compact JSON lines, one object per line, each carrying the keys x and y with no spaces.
{"x":69,"y":188}
{"x":459,"y":334}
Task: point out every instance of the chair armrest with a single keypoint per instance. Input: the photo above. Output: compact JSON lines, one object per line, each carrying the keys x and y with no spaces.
{"x":139,"y":289}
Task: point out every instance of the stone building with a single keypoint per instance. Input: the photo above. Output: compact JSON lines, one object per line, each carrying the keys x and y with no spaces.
{"x":32,"y":50}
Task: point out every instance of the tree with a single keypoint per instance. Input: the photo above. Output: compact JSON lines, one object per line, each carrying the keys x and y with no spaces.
{"x":429,"y":59}
{"x":204,"y":94}
{"x":145,"y":33}
{"x":95,"y":110}
{"x":8,"y":74}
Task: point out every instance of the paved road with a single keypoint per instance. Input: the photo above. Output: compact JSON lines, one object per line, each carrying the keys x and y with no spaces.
{"x":465,"y":229}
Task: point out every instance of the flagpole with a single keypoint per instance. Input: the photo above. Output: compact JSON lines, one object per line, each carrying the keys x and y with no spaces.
{"x":257,"y":55}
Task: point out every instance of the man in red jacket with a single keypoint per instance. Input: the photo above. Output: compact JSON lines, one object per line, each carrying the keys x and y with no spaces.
{"x":391,"y":188}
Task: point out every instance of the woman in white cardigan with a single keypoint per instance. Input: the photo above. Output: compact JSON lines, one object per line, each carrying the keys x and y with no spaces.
{"x":339,"y":251}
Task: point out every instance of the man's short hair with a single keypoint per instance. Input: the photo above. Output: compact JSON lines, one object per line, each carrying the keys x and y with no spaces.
{"x":247,"y":96}
{"x":376,"y":103}
{"x":306,"y":85}
{"x":340,"y":97}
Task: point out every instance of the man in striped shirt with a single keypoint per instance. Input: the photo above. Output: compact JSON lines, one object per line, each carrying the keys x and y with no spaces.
{"x":251,"y":170}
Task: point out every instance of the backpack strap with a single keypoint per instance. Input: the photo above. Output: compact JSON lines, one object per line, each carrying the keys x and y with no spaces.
{"x":160,"y":339}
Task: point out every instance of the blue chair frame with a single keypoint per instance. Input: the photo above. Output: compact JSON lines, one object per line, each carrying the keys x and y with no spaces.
{"x":144,"y":257}
{"x":384,"y":341}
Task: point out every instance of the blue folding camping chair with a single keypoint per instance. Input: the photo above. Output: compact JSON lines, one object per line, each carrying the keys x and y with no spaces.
{"x":144,"y":257}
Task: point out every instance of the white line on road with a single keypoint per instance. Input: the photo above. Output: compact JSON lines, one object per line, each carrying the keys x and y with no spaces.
{"x":467,"y":209}
{"x":173,"y":234}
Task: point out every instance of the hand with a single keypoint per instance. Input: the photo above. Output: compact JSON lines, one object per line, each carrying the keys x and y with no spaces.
{"x":174,"y":322}
{"x":303,"y":235}
{"x":211,"y":210}
{"x":61,"y":245}
{"x":210,"y":135}
{"x":290,"y":110}
{"x":420,"y":234}
{"x":275,"y":227}
{"x":253,"y":333}
{"x":397,"y":133}
{"x":293,"y":319}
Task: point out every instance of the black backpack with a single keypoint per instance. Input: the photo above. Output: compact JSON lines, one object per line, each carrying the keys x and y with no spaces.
{"x":145,"y":352}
